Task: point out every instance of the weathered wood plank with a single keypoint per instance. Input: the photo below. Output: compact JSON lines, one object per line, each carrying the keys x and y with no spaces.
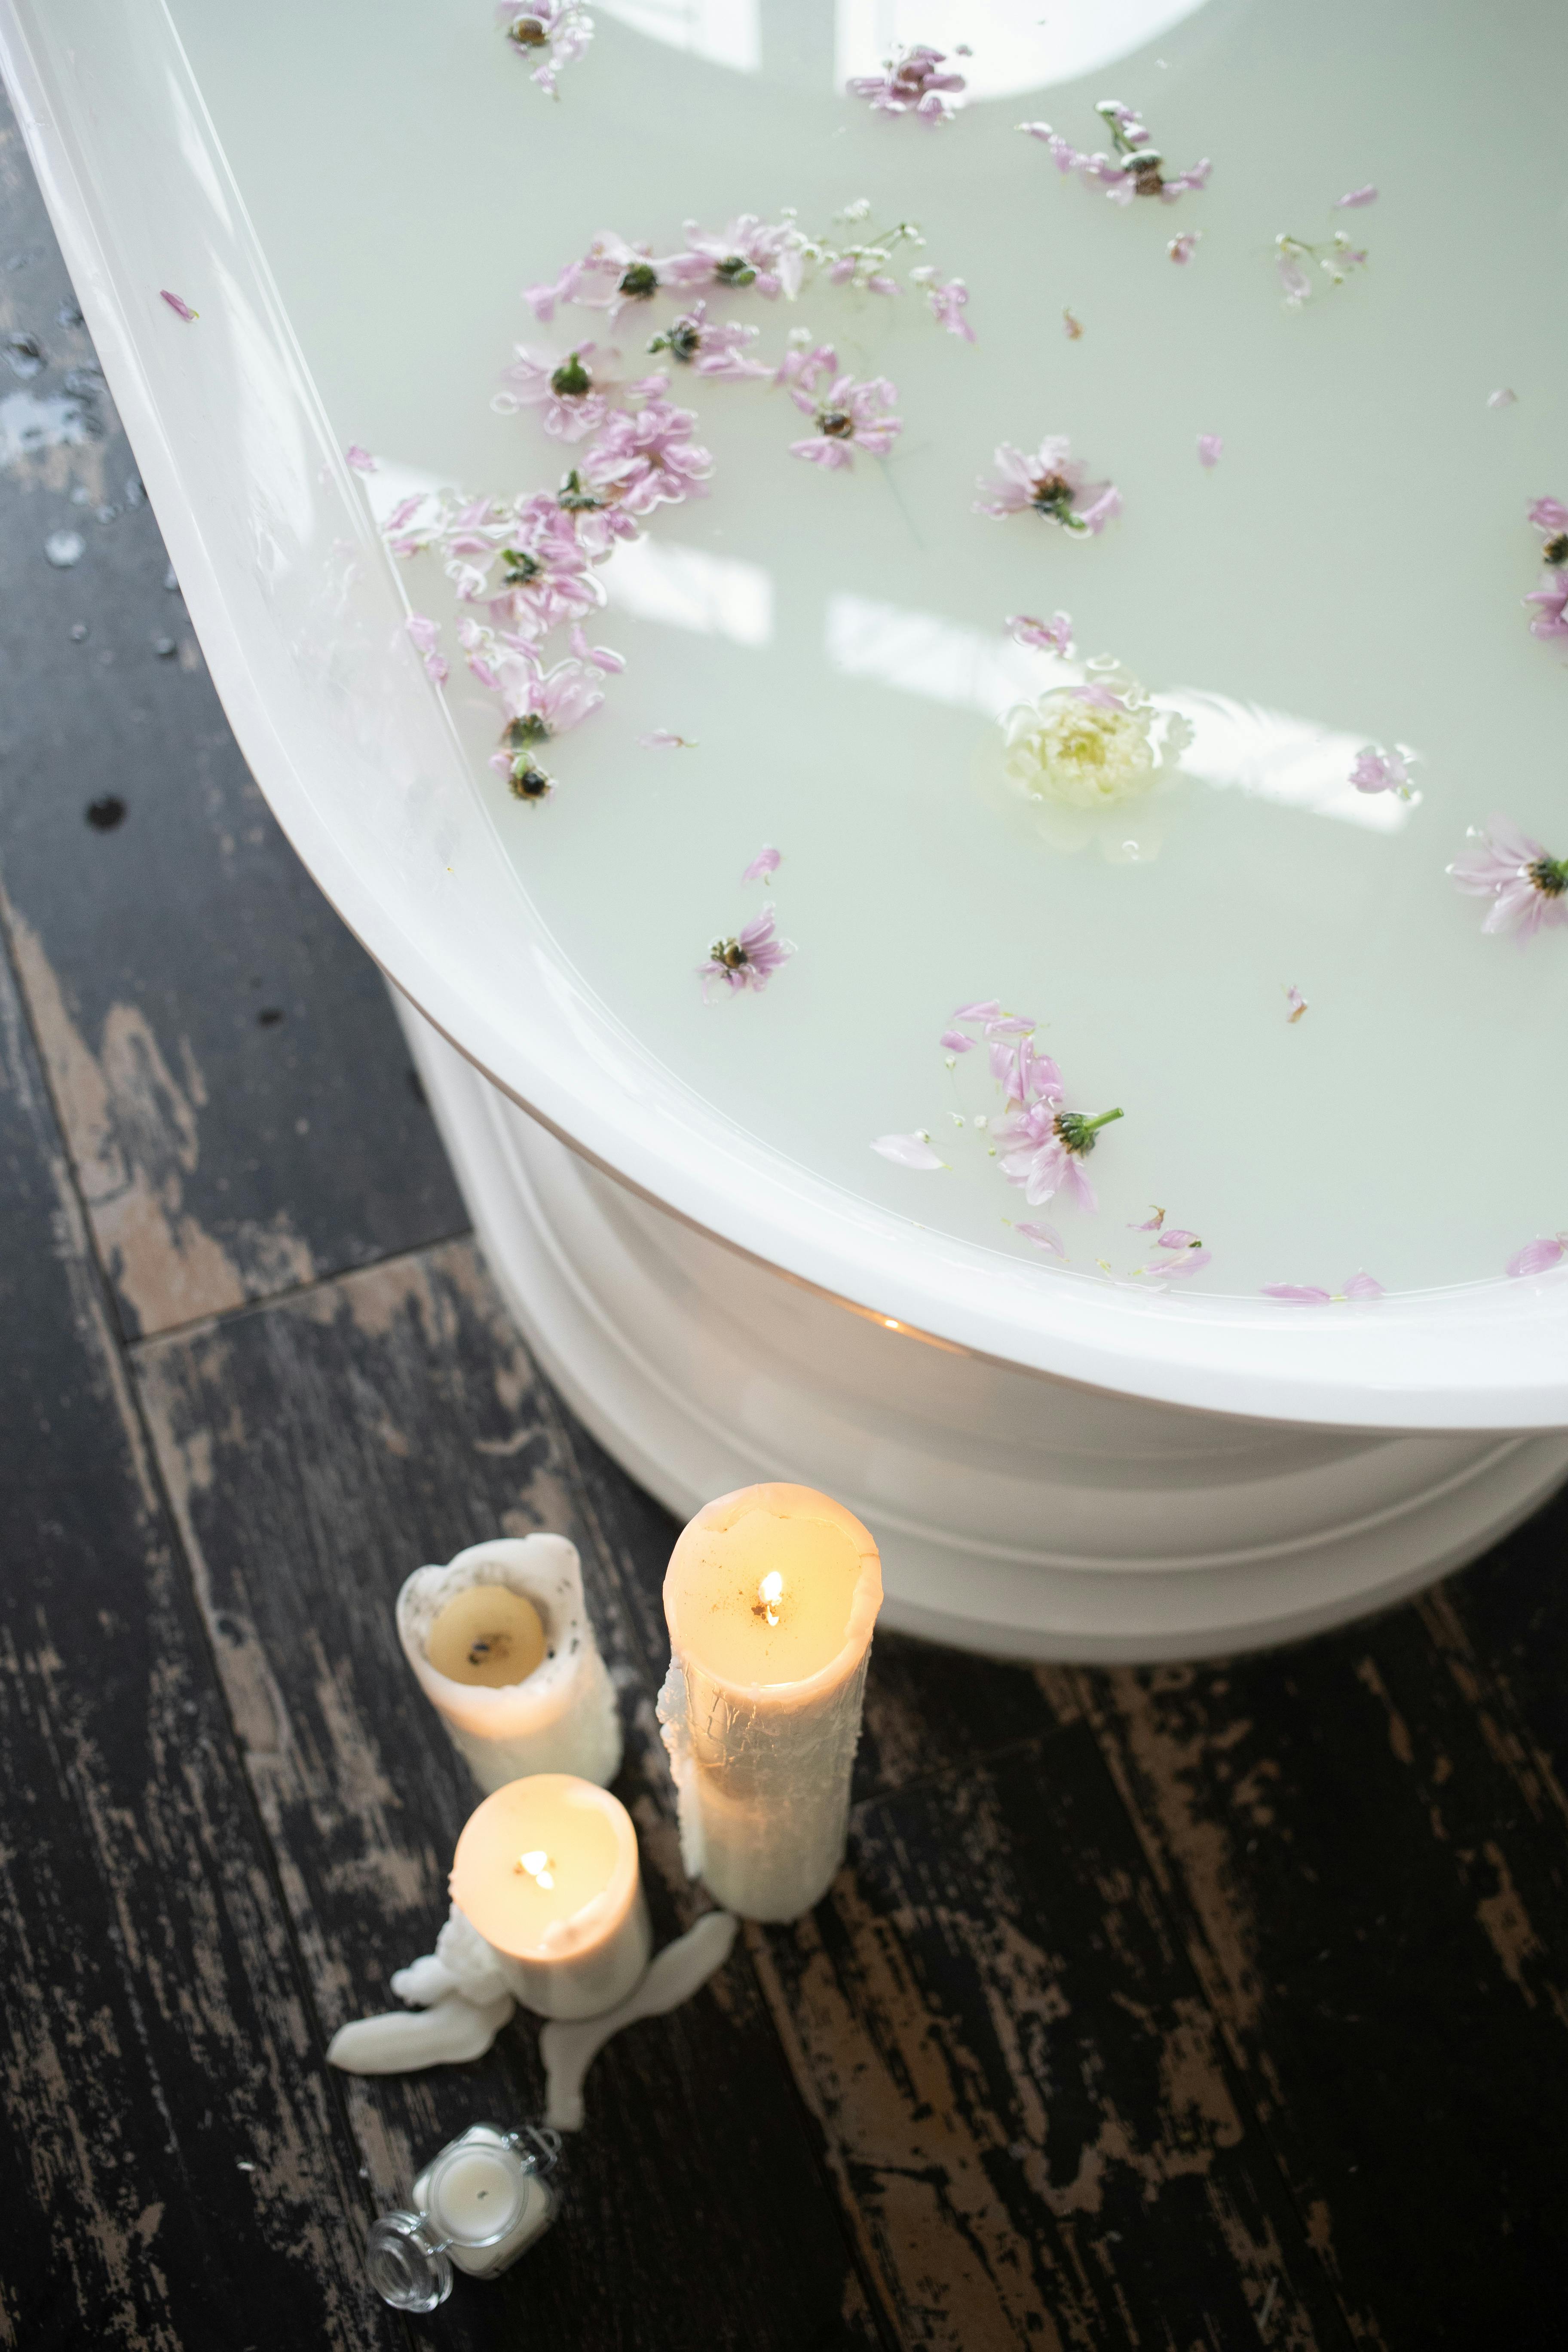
{"x":317,"y":1449}
{"x":233,"y":1086}
{"x":1373,"y":1882}
{"x":1023,"y":2084}
{"x":172,"y":2174}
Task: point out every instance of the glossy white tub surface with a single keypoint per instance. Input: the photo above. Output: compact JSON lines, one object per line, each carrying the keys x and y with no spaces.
{"x":1106,"y":1450}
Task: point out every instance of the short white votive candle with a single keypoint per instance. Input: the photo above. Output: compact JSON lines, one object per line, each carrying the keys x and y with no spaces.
{"x":770,"y":1597}
{"x":485,"y":2204}
{"x":546,"y":1873}
{"x":503,"y":1648}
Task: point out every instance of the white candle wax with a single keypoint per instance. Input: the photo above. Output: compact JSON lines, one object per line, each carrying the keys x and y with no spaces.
{"x":546,"y":1873}
{"x":770,"y":1597}
{"x":503,"y":1646}
{"x":483,"y":2202}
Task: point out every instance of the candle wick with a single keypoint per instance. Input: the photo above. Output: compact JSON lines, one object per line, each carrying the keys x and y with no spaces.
{"x":769,"y":1592}
{"x":535,"y":1866}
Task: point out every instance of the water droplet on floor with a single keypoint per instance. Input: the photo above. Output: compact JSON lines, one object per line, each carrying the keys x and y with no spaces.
{"x":105,"y":514}
{"x":69,"y":315}
{"x":135,"y":491}
{"x":105,"y":815}
{"x":64,"y":548}
{"x":166,"y":648}
{"x":172,"y":581}
{"x":270,"y":1016}
{"x":26,"y":354}
{"x":81,"y":496}
{"x":79,"y":633}
{"x":86,"y":382}
{"x":28,"y":425}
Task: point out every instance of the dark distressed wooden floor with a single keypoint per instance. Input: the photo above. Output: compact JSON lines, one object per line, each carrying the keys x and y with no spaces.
{"x":1204,"y":2007}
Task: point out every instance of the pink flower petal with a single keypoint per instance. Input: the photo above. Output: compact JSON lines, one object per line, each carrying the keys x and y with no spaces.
{"x":1362,"y":1288}
{"x":1210,"y":445}
{"x":1296,"y":1294}
{"x":1150,"y":1224}
{"x":361,"y":459}
{"x":985,"y":1011}
{"x":1178,"y":1238}
{"x":181,"y":309}
{"x":1044,"y":1237}
{"x":1536,"y":1256}
{"x":1297,"y":1004}
{"x":1178,"y":1269}
{"x":908,"y":1151}
{"x":662,"y":740}
{"x":1357,"y":198}
{"x":956,"y":1042}
{"x":766,"y":861}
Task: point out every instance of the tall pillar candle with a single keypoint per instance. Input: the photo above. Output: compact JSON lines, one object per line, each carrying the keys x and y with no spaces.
{"x":503,"y":1646}
{"x":546,"y":1873}
{"x":770,"y":1596}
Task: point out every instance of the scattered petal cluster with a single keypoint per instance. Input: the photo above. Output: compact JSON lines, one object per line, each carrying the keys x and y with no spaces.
{"x":1377,"y":770}
{"x":1295,"y":262}
{"x":547,"y":34}
{"x":1550,"y":517}
{"x":911,"y":83}
{"x":1135,"y":168}
{"x":1359,"y":1291}
{"x":1528,"y":888}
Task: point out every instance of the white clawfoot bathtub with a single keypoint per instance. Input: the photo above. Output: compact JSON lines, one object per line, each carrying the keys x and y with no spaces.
{"x":1053,"y":1469}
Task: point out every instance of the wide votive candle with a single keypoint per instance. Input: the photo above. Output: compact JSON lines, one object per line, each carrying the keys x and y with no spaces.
{"x":770,"y":1597}
{"x":503,"y":1646}
{"x":546,"y":1873}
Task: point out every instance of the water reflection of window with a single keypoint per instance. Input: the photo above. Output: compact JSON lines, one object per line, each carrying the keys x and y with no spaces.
{"x":1017,"y":44}
{"x":726,"y":32}
{"x":1235,"y":747}
{"x":686,"y":588}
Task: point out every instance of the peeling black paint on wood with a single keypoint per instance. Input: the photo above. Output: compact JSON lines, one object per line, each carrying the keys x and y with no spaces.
{"x":153,"y":2034}
{"x":223,"y":1054}
{"x":317,"y":1450}
{"x":1371,"y":1876}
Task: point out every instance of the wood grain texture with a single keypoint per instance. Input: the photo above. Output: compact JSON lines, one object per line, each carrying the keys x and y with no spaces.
{"x":317,"y":1450}
{"x":173,"y":2175}
{"x":1371,"y":1872}
{"x":238,"y":1104}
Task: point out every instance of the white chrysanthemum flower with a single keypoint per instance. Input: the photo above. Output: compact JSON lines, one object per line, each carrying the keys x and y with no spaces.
{"x":1081,"y":747}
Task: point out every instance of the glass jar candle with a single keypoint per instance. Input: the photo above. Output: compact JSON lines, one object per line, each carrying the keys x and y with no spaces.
{"x":478,"y":2205}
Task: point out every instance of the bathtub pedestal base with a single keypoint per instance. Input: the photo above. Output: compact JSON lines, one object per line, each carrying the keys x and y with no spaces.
{"x":1016,"y":1515}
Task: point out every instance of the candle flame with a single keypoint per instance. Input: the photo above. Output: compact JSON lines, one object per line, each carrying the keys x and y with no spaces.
{"x":537,"y":1865}
{"x":770,"y":1591}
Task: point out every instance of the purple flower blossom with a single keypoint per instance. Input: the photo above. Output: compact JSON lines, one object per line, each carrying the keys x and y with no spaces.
{"x":748,"y":254}
{"x":1137,"y":168}
{"x":1298,"y":1004}
{"x":549,"y":33}
{"x":910,"y":83}
{"x":1050,"y":483}
{"x":609,"y":276}
{"x":767,"y":861}
{"x":1525,"y":885}
{"x":1042,"y":1146}
{"x":1536,"y":1256}
{"x":426,"y":635}
{"x":570,"y":394}
{"x":539,"y":703}
{"x":361,"y":459}
{"x":908,"y":1151}
{"x":1182,"y":249}
{"x":1377,"y":770}
{"x":1052,"y":636}
{"x":947,"y":303}
{"x":714,"y":347}
{"x":747,"y":960}
{"x":1210,"y":447}
{"x":1357,"y":197}
{"x":546,"y":575}
{"x":1044,"y":1237}
{"x":179,"y":307}
{"x":847,"y":416}
{"x":1552,"y":621}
